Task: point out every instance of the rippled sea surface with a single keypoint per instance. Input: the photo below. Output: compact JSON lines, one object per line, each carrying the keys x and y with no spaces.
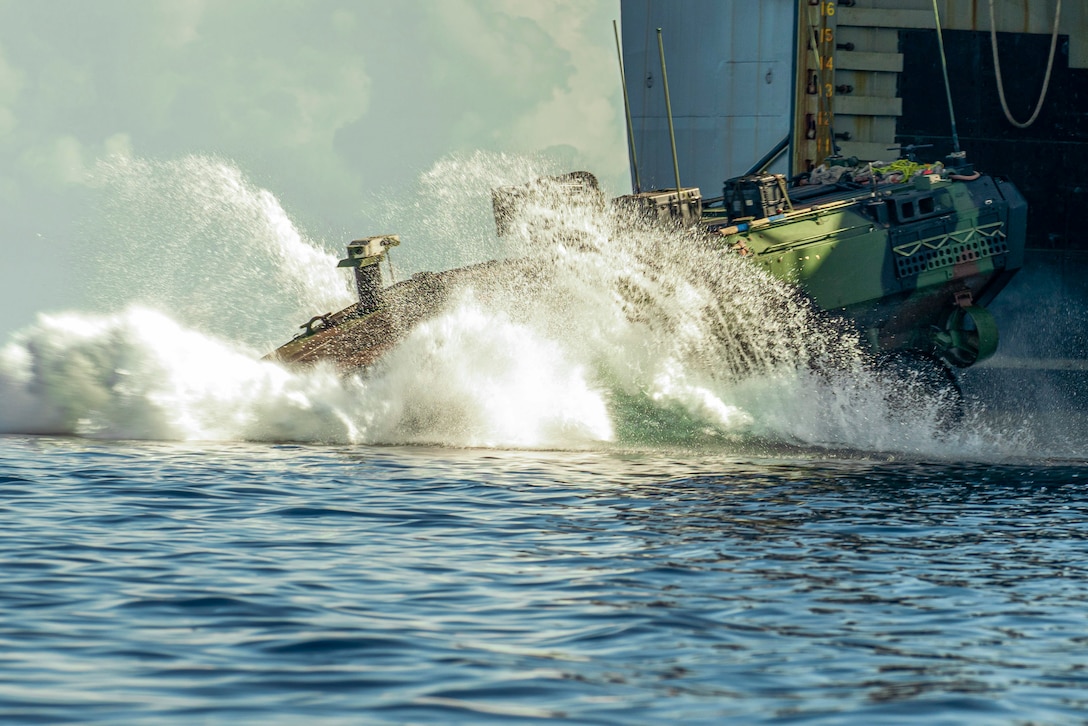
{"x":238,"y":583}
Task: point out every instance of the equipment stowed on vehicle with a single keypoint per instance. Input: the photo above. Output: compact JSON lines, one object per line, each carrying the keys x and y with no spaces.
{"x":755,"y":196}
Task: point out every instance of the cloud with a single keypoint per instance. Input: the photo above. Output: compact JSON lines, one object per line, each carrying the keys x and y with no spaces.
{"x":12,"y":81}
{"x":330,"y":93}
{"x":322,"y":102}
{"x":546,"y":69}
{"x":66,"y":161}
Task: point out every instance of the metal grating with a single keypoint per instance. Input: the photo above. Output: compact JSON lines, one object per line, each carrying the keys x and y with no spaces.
{"x":948,"y":250}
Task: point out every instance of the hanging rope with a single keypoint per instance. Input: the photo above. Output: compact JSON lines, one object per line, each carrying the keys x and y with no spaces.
{"x":1046,"y":80}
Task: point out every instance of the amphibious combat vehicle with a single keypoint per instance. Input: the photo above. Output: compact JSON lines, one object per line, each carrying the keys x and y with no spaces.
{"x":910,"y":253}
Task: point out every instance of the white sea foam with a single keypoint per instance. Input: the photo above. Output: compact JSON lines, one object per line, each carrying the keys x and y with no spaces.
{"x":612,"y":332}
{"x":465,"y":379}
{"x":475,"y":378}
{"x":139,"y":374}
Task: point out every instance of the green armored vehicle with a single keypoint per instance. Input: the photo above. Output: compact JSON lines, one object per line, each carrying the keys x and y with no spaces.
{"x":911,"y":254}
{"x":913,"y":259}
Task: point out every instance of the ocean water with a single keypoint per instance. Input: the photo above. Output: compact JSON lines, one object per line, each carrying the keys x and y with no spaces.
{"x":658,"y":488}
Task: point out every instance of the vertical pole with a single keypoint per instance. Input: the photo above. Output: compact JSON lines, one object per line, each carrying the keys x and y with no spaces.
{"x":668,"y":111}
{"x":947,"y":87}
{"x":798,"y":129}
{"x":627,"y":110}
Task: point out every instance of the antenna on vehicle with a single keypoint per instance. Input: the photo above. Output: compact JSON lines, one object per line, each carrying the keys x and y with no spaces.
{"x":947,"y":87}
{"x":627,"y":110}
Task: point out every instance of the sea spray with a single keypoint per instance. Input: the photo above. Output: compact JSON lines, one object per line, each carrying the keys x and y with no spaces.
{"x":473,"y":377}
{"x":448,"y":214}
{"x":140,"y":375}
{"x":685,"y":338}
{"x":194,"y":238}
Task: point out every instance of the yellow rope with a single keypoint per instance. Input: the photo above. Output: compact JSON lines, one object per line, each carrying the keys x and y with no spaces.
{"x":906,"y":167}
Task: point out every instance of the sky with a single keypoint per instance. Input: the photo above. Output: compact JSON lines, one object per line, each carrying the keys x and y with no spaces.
{"x":324,"y":103}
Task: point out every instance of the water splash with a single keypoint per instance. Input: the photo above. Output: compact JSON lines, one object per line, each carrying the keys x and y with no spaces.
{"x":474,"y":377}
{"x":604,"y":331}
{"x":193,"y":238}
{"x":141,"y":375}
{"x":448,"y":214}
{"x":692,"y":343}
